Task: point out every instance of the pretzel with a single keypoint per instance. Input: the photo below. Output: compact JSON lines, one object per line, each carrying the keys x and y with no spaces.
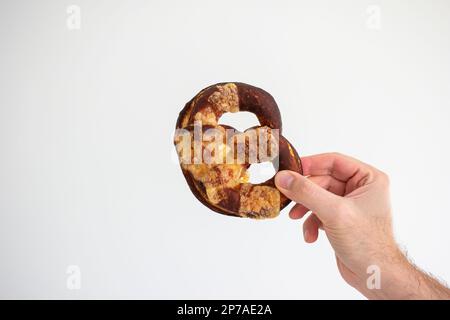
{"x":214,"y":157}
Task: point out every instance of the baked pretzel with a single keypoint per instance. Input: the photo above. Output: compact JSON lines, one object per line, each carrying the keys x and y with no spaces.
{"x":223,"y":185}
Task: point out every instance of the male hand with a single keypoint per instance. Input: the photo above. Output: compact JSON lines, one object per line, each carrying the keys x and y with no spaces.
{"x":349,"y":200}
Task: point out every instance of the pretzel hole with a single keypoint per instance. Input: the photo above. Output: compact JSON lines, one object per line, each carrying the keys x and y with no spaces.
{"x":239,"y":120}
{"x":260,"y":172}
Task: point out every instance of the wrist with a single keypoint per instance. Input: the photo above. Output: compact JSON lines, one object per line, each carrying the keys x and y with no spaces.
{"x":397,"y":278}
{"x":398,"y":281}
{"x":401,"y":280}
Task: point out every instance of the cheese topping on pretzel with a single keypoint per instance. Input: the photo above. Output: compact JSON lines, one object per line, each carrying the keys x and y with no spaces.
{"x":224,"y":186}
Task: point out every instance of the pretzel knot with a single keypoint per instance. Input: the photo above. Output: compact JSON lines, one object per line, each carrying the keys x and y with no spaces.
{"x":214,"y":157}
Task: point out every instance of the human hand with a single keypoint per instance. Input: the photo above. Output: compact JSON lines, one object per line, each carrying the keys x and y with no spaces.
{"x":349,"y":200}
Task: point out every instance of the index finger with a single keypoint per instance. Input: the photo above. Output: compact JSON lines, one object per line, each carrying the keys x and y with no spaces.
{"x":337,"y":165}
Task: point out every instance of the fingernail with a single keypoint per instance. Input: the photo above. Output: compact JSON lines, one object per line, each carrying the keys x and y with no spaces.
{"x":284,"y":179}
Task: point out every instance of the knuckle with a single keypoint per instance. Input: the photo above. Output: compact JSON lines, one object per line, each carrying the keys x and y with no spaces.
{"x":336,"y":154}
{"x":384,"y":178}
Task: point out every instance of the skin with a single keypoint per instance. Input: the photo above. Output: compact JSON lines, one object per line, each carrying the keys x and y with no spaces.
{"x":349,"y":200}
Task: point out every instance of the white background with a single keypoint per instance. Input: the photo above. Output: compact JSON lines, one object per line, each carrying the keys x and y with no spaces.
{"x":87,"y":176}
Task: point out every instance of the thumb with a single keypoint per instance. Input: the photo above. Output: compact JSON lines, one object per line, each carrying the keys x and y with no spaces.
{"x":301,"y":190}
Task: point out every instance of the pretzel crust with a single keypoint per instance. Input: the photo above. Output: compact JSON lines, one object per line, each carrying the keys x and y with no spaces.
{"x":224,"y":187}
